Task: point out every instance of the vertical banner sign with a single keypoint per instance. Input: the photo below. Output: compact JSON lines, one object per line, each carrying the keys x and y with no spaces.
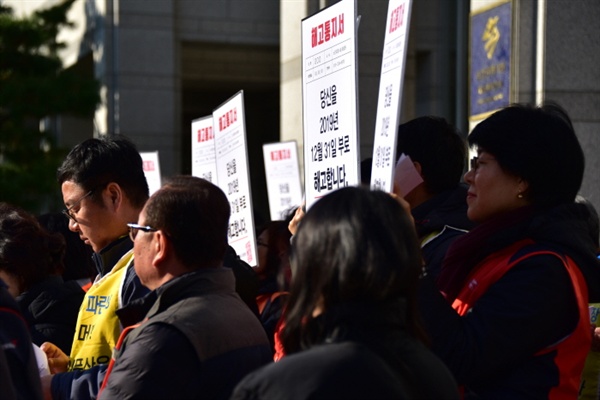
{"x":329,"y":99}
{"x":283,"y":178}
{"x":151,"y":170}
{"x":490,"y":51}
{"x":204,"y":163}
{"x":233,"y":174}
{"x":390,"y":94}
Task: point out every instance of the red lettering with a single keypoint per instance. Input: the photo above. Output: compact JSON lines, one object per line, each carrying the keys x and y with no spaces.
{"x":148,"y":165}
{"x":397,"y":18}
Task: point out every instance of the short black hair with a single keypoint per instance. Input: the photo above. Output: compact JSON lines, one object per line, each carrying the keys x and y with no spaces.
{"x":96,"y":162}
{"x":194,"y":214}
{"x":437,"y":145}
{"x":537,"y":144}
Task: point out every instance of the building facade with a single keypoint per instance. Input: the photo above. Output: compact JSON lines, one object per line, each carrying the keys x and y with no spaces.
{"x":163,"y":63}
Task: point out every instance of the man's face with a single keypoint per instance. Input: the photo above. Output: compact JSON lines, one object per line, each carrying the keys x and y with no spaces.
{"x":143,"y":252}
{"x":92,"y":221}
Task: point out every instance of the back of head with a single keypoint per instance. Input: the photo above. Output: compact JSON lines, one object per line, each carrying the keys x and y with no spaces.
{"x":438,"y":147}
{"x":194,"y":214}
{"x":354,"y":246}
{"x":99,"y":161}
{"x":537,"y":144}
{"x":27,"y":251}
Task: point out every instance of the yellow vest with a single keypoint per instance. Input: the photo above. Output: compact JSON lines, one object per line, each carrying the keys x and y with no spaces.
{"x":98,"y":327}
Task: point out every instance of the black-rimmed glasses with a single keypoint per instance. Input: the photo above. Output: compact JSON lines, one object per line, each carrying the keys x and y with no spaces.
{"x":134,"y":228}
{"x":69,"y":211}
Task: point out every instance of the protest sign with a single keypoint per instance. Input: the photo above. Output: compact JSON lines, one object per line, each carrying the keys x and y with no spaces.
{"x":390,"y":94}
{"x":330,"y":111}
{"x":151,"y":166}
{"x":283,"y":178}
{"x":233,"y":174}
{"x":204,"y":163}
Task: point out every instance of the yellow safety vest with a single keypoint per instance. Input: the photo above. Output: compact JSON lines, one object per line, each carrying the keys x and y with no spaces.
{"x":98,"y":327}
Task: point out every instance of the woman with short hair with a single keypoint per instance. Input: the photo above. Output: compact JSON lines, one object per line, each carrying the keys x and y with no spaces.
{"x":514,"y":322}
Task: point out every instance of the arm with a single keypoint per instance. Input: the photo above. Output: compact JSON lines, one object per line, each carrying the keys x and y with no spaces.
{"x":529,"y":308}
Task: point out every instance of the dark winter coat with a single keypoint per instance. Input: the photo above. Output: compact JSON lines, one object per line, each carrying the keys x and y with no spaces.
{"x":493,"y":349}
{"x":50,"y":309}
{"x":439,"y":221}
{"x":369,"y":355}
{"x":197,"y":341}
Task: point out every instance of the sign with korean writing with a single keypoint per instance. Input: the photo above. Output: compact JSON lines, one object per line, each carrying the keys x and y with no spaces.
{"x":329,"y":76}
{"x":490,"y":55}
{"x":204,"y":163}
{"x":390,"y":94}
{"x":152,"y":170}
{"x":233,"y":174}
{"x":283,"y":178}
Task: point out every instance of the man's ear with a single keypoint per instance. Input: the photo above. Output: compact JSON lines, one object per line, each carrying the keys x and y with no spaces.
{"x":114,"y":195}
{"x":163,"y":248}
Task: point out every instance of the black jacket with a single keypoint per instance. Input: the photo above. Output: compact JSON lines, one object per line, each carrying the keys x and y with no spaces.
{"x":198,"y":340}
{"x":50,"y":309}
{"x":19,"y":376}
{"x":493,"y":349}
{"x":368,"y":355}
{"x":439,"y":221}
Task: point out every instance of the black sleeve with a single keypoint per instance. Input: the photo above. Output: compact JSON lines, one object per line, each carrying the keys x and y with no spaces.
{"x":531,"y":307}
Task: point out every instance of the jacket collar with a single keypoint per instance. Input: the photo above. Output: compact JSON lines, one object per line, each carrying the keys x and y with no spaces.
{"x":106,"y":258}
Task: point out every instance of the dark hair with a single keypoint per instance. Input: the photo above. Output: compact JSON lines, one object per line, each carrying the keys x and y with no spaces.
{"x":353,"y":246}
{"x":96,"y":162}
{"x":438,"y":147}
{"x":537,"y":144}
{"x":27,"y":251}
{"x":77,"y":261}
{"x":194,"y":214}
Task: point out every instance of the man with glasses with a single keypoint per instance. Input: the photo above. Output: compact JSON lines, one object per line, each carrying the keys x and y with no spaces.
{"x":103,"y":187}
{"x":198,"y":338}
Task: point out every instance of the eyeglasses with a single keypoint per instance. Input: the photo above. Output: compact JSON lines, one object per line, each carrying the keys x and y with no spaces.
{"x":134,"y":228}
{"x":69,"y":211}
{"x":475,"y":162}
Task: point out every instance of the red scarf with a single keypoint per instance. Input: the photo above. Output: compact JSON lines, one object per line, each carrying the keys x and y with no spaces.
{"x":470,"y":249}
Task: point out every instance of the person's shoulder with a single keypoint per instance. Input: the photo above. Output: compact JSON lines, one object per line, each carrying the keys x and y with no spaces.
{"x":338,"y":370}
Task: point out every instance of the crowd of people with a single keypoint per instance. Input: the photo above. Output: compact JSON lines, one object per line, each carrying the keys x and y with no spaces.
{"x":472,"y":286}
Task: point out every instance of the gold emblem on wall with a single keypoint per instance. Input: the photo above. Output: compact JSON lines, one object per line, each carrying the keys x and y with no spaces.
{"x":491,"y":36}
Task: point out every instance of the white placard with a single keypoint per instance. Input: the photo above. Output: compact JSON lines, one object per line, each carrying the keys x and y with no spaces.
{"x":283,"y":178}
{"x":152,"y":170}
{"x":204,"y":163}
{"x":390,"y":94}
{"x":329,"y":98}
{"x":233,"y":174}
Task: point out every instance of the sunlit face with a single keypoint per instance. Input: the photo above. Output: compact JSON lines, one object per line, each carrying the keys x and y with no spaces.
{"x":491,"y":190}
{"x":143,"y":252}
{"x":93,"y":220}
